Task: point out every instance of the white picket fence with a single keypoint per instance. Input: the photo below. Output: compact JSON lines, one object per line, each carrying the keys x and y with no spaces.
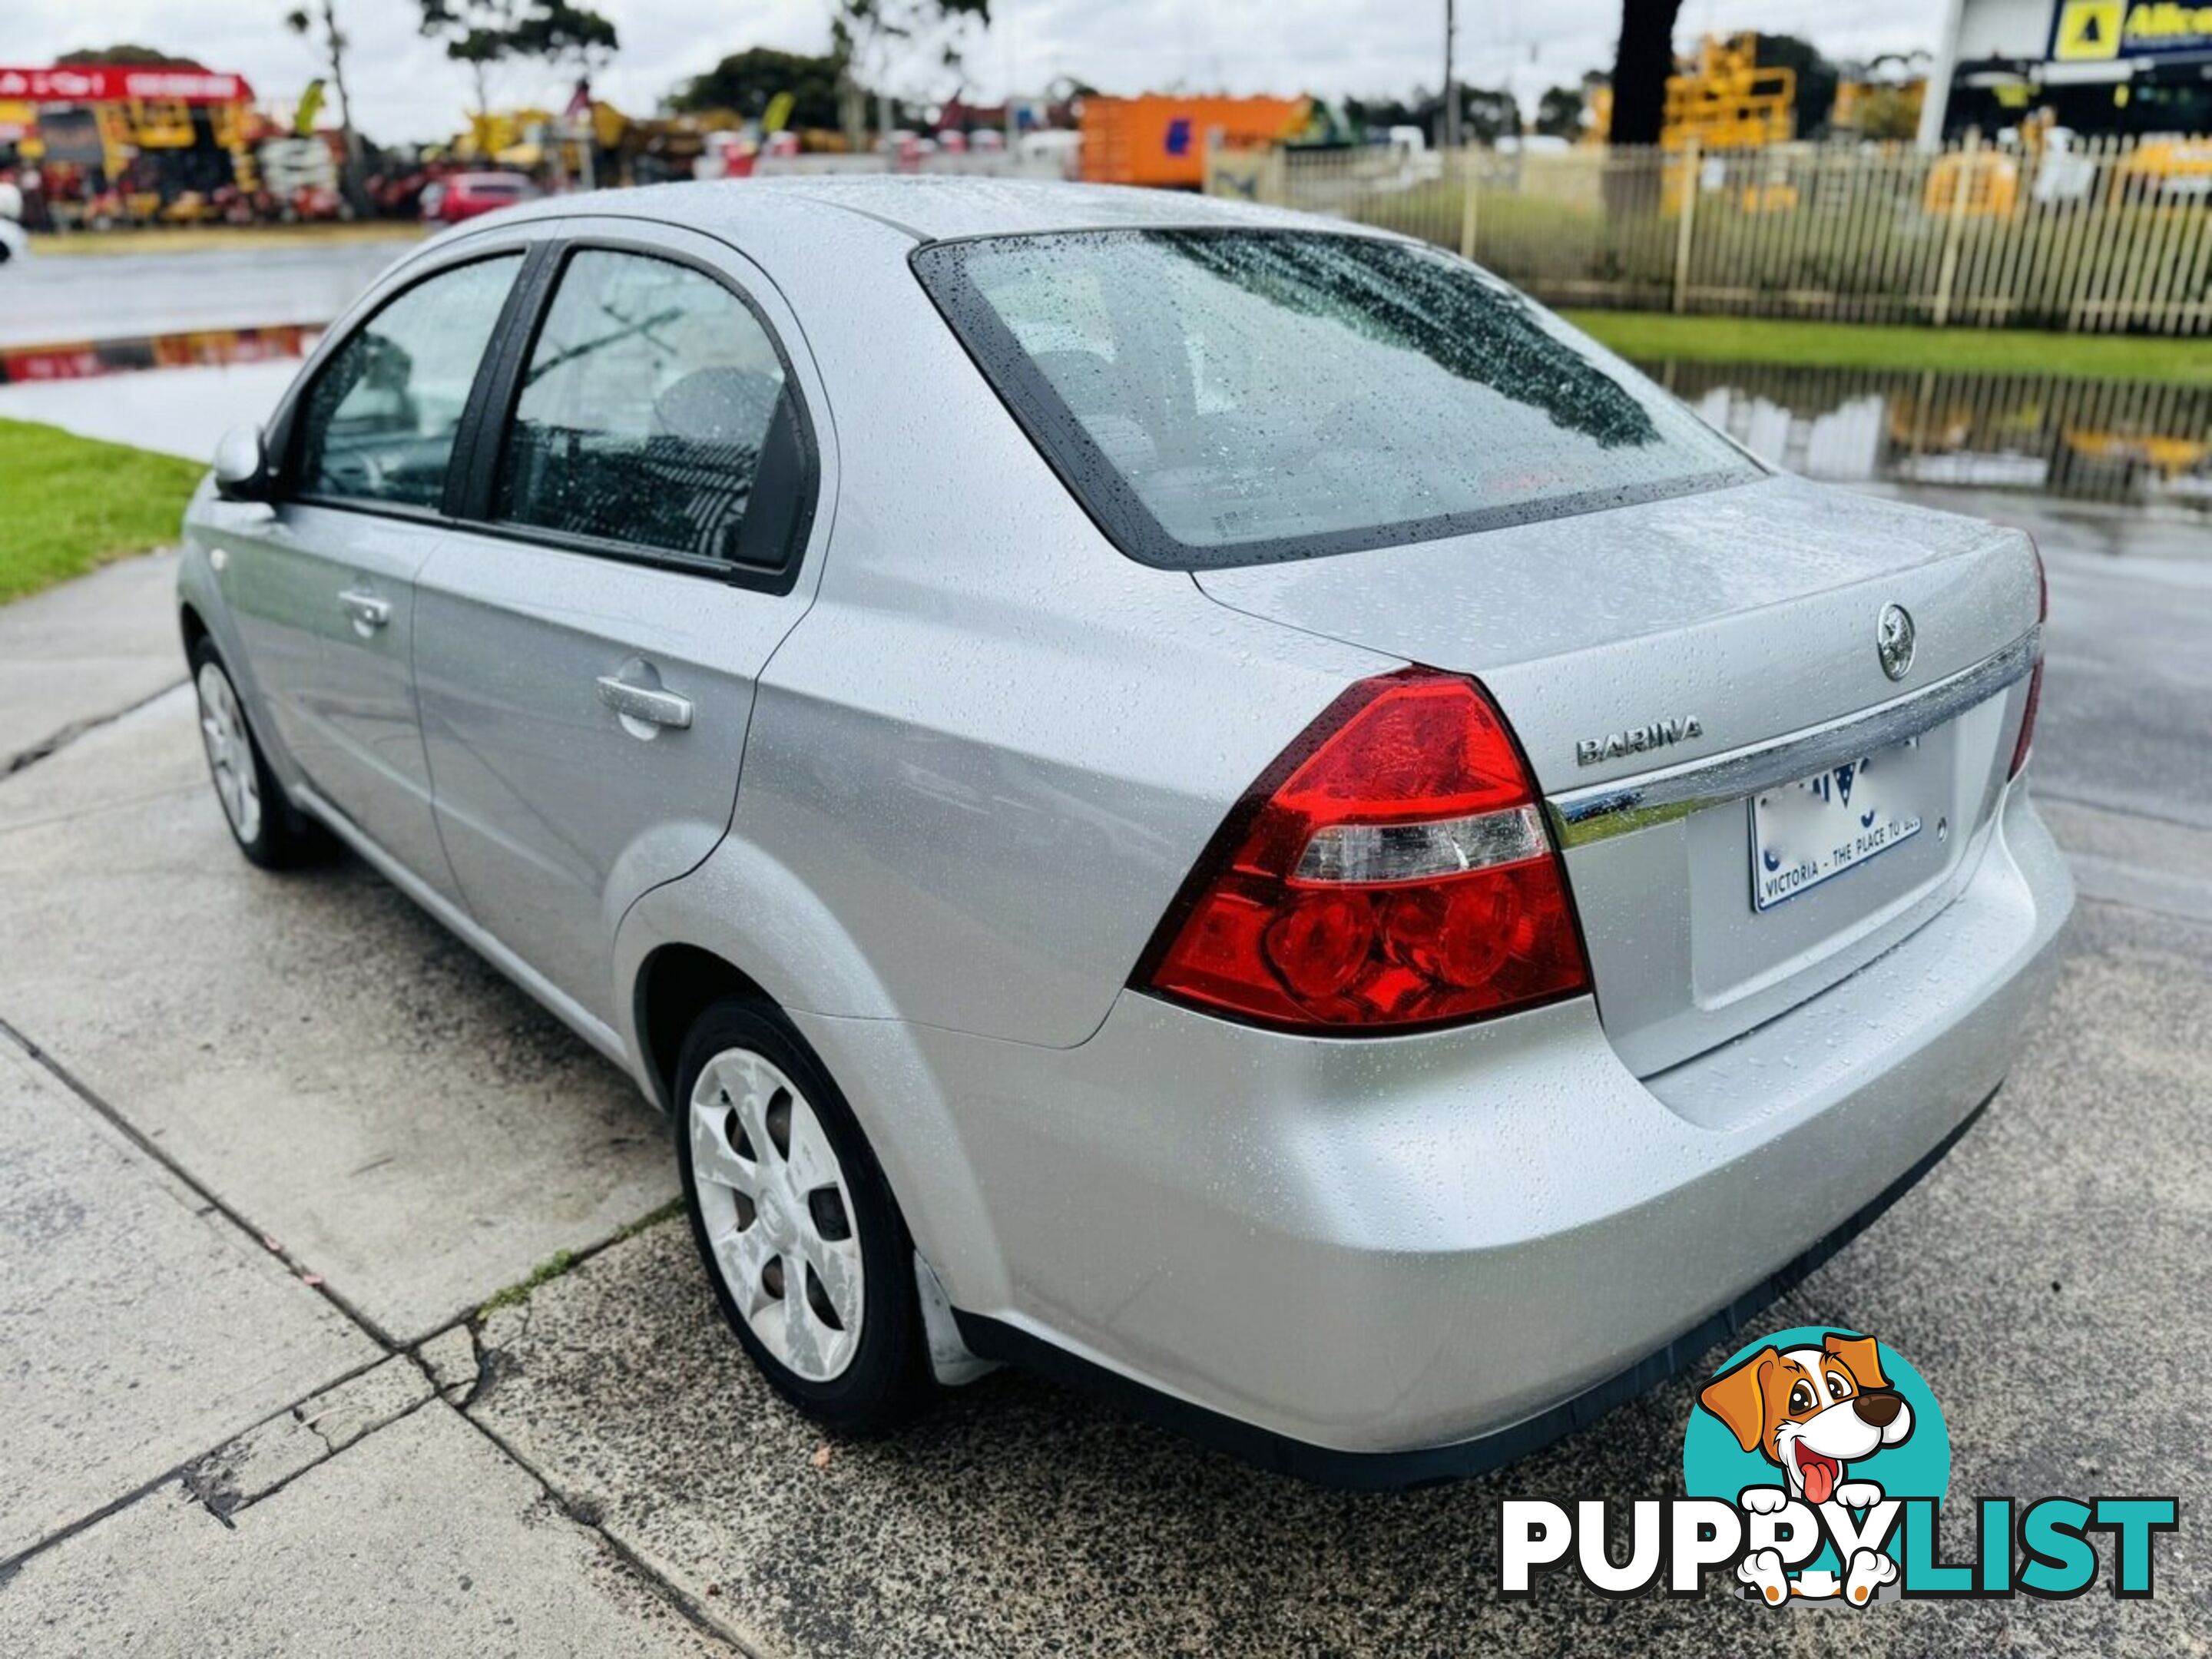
{"x":2112,"y":234}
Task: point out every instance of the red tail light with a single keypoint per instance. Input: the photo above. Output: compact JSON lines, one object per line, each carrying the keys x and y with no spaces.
{"x":2025,"y":741}
{"x":1390,"y":870}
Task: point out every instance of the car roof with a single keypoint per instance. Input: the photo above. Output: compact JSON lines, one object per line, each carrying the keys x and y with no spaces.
{"x":930,"y":207}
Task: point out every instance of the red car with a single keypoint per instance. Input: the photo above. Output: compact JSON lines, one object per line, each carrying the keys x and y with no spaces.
{"x":465,"y":195}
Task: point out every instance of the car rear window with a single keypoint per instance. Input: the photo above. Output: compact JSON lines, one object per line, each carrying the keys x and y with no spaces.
{"x":1232,"y":397}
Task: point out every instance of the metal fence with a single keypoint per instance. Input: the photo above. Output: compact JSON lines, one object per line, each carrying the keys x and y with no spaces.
{"x":2104,"y":235}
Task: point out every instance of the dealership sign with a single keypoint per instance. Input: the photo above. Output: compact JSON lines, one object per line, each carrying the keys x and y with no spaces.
{"x":2101,"y":31}
{"x":101,"y":85}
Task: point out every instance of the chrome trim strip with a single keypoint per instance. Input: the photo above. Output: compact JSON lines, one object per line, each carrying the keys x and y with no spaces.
{"x":1580,"y":815}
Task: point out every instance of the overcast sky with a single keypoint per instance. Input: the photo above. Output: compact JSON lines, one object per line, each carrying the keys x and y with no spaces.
{"x":404,"y":87}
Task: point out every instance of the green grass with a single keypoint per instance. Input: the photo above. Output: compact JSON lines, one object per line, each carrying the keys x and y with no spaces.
{"x":1651,"y":336}
{"x":558,"y":1264}
{"x":544,"y":1273}
{"x":68,"y":504}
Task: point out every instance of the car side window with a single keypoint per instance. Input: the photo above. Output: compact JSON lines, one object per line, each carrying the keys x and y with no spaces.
{"x":654,"y":413}
{"x":380,"y":419}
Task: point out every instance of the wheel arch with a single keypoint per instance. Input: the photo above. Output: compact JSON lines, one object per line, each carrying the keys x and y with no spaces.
{"x":191,"y":625}
{"x":675,"y":984}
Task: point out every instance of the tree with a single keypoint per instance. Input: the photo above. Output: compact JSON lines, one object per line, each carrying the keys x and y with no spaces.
{"x":1370,"y":114}
{"x":1641,"y":63}
{"x":124,"y":55}
{"x":1816,"y":78}
{"x":866,"y":34}
{"x":1888,"y":113}
{"x":745,"y":81}
{"x":482,"y":32}
{"x":1485,"y":115}
{"x":321,"y":18}
{"x":1559,"y":112}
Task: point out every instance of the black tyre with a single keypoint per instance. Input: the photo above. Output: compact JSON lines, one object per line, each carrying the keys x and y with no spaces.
{"x":802,"y":1241}
{"x":268,"y":829}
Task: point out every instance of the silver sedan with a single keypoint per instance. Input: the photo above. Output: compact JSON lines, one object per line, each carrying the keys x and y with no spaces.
{"x":1207,"y":801}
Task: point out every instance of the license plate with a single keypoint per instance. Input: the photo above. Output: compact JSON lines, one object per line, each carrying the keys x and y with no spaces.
{"x":1803,"y":833}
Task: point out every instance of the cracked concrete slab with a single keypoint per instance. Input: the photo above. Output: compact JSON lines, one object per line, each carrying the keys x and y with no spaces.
{"x":132,"y":761}
{"x":450,"y":1358}
{"x":270,"y":1453}
{"x":419,"y":1539}
{"x":138,"y":1327}
{"x":2045,"y":1280}
{"x":85,"y":651}
{"x":312,"y":1045}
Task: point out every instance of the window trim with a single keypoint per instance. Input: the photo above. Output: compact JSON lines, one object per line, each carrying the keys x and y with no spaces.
{"x":472,"y":510}
{"x":298,"y":407}
{"x":1113,"y":503}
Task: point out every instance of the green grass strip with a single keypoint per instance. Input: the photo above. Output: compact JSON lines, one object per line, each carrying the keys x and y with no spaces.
{"x":68,"y":504}
{"x":1651,"y":337}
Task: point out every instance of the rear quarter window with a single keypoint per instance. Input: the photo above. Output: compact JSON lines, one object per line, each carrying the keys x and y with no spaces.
{"x":1232,"y":397}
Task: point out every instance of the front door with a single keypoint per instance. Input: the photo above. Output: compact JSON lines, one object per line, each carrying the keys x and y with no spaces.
{"x":585,"y":662}
{"x":323,"y":583}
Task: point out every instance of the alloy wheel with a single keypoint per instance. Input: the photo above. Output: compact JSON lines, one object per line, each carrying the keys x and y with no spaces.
{"x":229,"y":752}
{"x":778,"y":1214}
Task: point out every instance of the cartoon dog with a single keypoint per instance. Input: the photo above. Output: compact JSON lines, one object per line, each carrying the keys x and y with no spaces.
{"x":1811,"y":1411}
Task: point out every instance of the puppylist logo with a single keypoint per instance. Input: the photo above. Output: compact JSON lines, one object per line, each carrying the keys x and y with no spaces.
{"x":1814,"y":1464}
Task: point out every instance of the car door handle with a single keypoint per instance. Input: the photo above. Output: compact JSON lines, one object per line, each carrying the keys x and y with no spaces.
{"x":645,"y":703}
{"x":366,"y":611}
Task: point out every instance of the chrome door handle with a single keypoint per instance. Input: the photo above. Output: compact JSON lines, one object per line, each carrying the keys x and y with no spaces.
{"x":366,"y":611}
{"x":644,"y":702}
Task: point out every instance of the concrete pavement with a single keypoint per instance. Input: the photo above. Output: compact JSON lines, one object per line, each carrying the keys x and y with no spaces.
{"x":281,"y":1136}
{"x":74,"y":656}
{"x":362,"y":1554}
{"x":201,"y":1331}
{"x":320,"y":1051}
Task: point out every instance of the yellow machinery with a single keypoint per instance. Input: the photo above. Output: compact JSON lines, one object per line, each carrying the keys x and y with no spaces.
{"x":1721,"y":99}
{"x":1979,"y":183}
{"x":127,"y":127}
{"x":2171,"y":166}
{"x":531,"y":138}
{"x":1726,"y":101}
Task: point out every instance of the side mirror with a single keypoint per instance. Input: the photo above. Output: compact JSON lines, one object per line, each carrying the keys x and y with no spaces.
{"x":241,"y":465}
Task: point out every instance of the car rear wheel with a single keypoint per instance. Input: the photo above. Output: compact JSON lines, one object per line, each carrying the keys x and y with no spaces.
{"x":268,"y":829}
{"x":801,"y":1239}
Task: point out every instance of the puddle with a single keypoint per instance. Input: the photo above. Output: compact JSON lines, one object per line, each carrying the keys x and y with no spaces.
{"x":2119,"y":441}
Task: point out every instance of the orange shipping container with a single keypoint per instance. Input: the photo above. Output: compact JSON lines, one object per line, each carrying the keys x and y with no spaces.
{"x":1161,"y":140}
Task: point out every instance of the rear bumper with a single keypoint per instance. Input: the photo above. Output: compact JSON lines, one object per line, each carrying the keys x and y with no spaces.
{"x":1387,"y":1261}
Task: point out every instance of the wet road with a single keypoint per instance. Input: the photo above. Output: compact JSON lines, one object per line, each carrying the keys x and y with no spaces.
{"x":2127,"y":705}
{"x":63,"y":298}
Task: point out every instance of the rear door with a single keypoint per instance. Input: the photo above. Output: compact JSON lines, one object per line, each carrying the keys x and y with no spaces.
{"x":322,"y":584}
{"x":586,"y":651}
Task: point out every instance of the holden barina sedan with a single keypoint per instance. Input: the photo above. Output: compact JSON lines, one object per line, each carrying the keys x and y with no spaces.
{"x":1210,"y":802}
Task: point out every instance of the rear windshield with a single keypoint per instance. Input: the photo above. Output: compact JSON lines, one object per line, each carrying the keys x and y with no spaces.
{"x":1231,"y":396}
